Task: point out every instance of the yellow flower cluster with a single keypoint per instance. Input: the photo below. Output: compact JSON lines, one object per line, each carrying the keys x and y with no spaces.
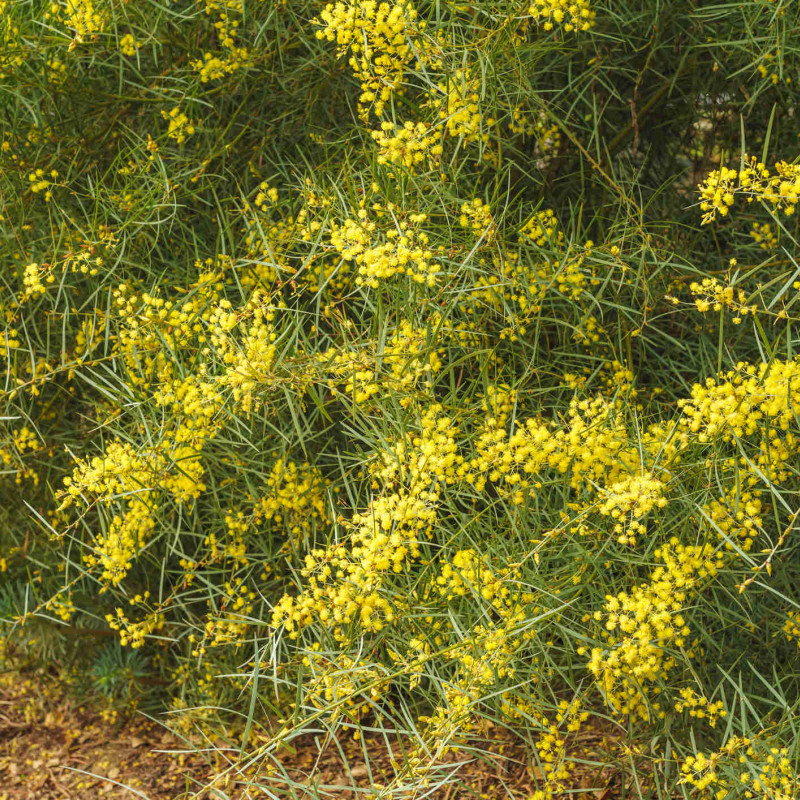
{"x":147,"y":321}
{"x":409,"y":145}
{"x":736,"y":403}
{"x":13,"y":452}
{"x":736,"y":516}
{"x":119,"y":472}
{"x":378,"y":37}
{"x":483,"y":659}
{"x":711,"y":295}
{"x":571,"y":15}
{"x":628,"y":501}
{"x":62,"y":607}
{"x":407,"y":362}
{"x":351,"y":375}
{"x":699,"y":706}
{"x":717,"y":193}
{"x":781,"y":189}
{"x":458,"y":105}
{"x":180,"y":126}
{"x":229,"y":618}
{"x":32,"y":280}
{"x":467,"y":574}
{"x":511,"y":286}
{"x":568,"y":276}
{"x":55,"y":71}
{"x":41,"y":182}
{"x":791,"y":627}
{"x":272,"y":236}
{"x":184,"y":479}
{"x":477,"y":216}
{"x":521,"y":122}
{"x":700,"y":770}
{"x":640,"y":626}
{"x":514,"y":283}
{"x":743,"y":767}
{"x":768,"y":68}
{"x":546,"y":133}
{"x":542,"y":229}
{"x":399,"y":250}
{"x":249,"y":357}
{"x":134,"y":484}
{"x":592,"y":447}
{"x":11,"y":53}
{"x":764,"y":236}
{"x":267,"y":196}
{"x":81,"y":16}
{"x":134,"y":634}
{"x":195,"y":403}
{"x":294,"y":500}
{"x":231,"y":549}
{"x":343,"y":581}
{"x":138,"y":480}
{"x":80,"y":256}
{"x":213,"y":66}
{"x":551,"y":748}
{"x":344,"y":687}
{"x":128,"y":45}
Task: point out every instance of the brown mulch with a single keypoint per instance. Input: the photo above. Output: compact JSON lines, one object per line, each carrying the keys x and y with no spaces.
{"x":52,"y":748}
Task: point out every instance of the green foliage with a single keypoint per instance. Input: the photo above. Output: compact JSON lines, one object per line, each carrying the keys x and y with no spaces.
{"x":378,"y":370}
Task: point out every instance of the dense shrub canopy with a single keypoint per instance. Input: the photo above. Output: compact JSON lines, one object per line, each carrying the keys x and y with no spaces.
{"x":423,"y":369}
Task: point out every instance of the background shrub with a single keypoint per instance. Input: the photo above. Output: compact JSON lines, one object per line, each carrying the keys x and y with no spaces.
{"x":418,"y":369}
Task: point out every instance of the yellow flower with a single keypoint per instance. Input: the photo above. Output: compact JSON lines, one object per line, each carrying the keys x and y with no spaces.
{"x":571,"y":15}
{"x":128,"y":45}
{"x":180,"y":126}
